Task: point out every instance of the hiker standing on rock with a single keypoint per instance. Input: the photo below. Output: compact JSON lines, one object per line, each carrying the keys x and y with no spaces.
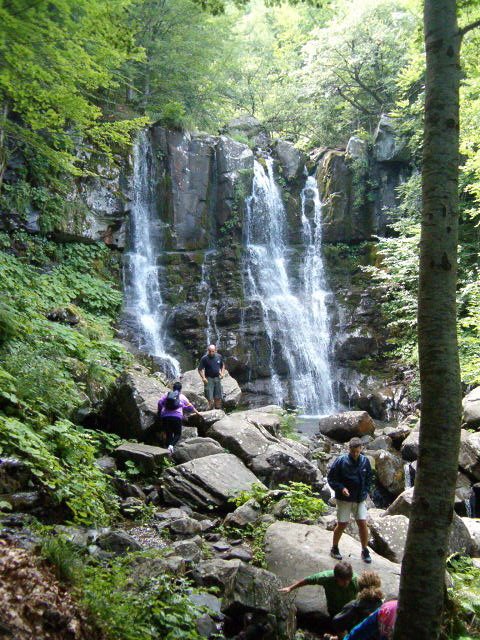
{"x":170,"y":408}
{"x":350,"y":477}
{"x":212,"y":370}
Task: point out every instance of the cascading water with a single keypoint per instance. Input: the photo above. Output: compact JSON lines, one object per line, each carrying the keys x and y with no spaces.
{"x":212,"y":334}
{"x":143,"y":298}
{"x":296,"y":324}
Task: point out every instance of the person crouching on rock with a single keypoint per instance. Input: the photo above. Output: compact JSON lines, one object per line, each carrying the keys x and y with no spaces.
{"x":350,"y":477}
{"x":170,"y":408}
{"x":368,"y":600}
{"x":340,"y":586}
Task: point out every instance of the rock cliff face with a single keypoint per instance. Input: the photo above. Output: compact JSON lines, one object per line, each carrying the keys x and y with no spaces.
{"x":201,"y":186}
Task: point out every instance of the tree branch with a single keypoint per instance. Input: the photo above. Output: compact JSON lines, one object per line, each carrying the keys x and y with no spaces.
{"x":468,"y":27}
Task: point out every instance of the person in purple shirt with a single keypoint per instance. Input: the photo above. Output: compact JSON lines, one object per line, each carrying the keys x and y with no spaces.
{"x":170,"y":409}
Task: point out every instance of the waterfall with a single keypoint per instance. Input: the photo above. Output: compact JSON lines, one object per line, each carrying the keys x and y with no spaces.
{"x":296,"y":324}
{"x":212,"y":334}
{"x":143,"y":298}
{"x":407,"y":472}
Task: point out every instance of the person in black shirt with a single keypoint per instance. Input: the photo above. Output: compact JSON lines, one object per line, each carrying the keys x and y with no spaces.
{"x":212,"y":370}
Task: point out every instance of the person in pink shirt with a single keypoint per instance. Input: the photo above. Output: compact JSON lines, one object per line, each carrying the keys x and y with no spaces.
{"x":170,"y":409}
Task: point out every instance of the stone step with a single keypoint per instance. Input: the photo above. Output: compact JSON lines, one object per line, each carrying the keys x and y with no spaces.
{"x":146,"y":456}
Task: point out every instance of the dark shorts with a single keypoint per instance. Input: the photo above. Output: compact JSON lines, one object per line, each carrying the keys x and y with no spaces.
{"x":213,"y":389}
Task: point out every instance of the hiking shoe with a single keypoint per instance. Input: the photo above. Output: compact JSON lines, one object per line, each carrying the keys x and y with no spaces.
{"x":366,"y":557}
{"x":170,"y":449}
{"x":335,"y":553}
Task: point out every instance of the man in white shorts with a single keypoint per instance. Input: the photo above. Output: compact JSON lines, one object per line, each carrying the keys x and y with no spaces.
{"x":350,"y":477}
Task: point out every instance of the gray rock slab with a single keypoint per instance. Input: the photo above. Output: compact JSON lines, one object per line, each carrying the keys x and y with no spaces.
{"x":131,"y":407}
{"x":215,"y":572}
{"x":460,"y":539}
{"x":390,"y":471}
{"x":346,"y":425}
{"x":388,"y":535}
{"x":255,"y":591}
{"x":294,"y":551}
{"x":471,"y":409}
{"x":207,"y":483}
{"x":469,"y":456}
{"x":196,"y":448}
{"x":270,"y":459}
{"x":147,"y":457}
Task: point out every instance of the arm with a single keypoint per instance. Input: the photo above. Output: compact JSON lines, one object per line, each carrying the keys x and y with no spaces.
{"x":161,"y":404}
{"x":334,"y":479}
{"x":201,"y":369}
{"x":366,"y":630}
{"x":295,"y":585}
{"x":188,"y":406}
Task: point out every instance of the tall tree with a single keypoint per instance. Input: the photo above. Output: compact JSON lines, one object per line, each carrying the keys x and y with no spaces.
{"x":423,"y":568}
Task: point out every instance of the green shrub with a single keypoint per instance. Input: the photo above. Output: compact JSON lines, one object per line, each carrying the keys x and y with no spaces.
{"x":128,"y":607}
{"x":462,"y":611}
{"x":62,"y":457}
{"x":302,"y":504}
{"x":57,"y":367}
{"x":64,"y":556}
{"x":288,"y":425}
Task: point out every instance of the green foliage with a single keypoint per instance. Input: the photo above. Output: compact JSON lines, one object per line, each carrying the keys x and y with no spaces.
{"x":56,"y":56}
{"x":127,"y":606}
{"x":73,"y":365}
{"x":302,"y":504}
{"x":396,"y":276}
{"x":124,"y":598}
{"x":62,"y":457}
{"x":257,"y":492}
{"x":288,"y":425}
{"x":462,"y":611}
{"x":64,"y":556}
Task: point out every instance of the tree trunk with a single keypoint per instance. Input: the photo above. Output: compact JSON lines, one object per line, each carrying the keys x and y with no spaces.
{"x":423,"y":567}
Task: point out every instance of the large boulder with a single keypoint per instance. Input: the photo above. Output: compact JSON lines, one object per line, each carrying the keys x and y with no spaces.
{"x":215,"y":572}
{"x":196,"y":448}
{"x":294,"y":551}
{"x":388,"y":146}
{"x":207,"y":483}
{"x":471,"y":409}
{"x":253,"y":591}
{"x":344,"y":426}
{"x":272,"y":460}
{"x":460,"y":539}
{"x":250,"y":128}
{"x":473,"y":526}
{"x":292,"y":161}
{"x":469,"y":456}
{"x":388,"y":535}
{"x":193,"y":388}
{"x":410,"y":445}
{"x":145,"y":456}
{"x":390,"y":471}
{"x":14,"y":475}
{"x":132,"y":405}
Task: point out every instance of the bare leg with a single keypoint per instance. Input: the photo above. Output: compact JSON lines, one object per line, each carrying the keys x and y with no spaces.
{"x":363,"y":531}
{"x":337,"y":532}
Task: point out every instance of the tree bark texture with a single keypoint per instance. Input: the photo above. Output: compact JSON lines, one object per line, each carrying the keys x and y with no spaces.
{"x":423,"y":567}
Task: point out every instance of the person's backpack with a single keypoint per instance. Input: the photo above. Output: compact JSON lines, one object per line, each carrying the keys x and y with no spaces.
{"x":172,"y":401}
